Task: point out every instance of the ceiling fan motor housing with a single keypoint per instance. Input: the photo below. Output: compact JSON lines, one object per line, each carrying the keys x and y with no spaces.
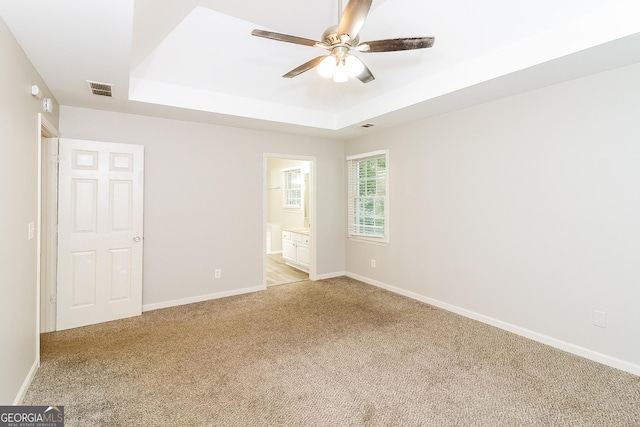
{"x":330,"y":38}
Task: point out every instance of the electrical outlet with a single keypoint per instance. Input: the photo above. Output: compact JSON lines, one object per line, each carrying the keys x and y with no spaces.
{"x":373,"y":263}
{"x":218,"y":273}
{"x":599,"y":319}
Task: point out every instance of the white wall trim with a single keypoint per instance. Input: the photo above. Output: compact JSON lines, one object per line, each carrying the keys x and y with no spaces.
{"x":535,"y":336}
{"x":330,"y":275}
{"x":27,"y":382}
{"x":200,"y":298}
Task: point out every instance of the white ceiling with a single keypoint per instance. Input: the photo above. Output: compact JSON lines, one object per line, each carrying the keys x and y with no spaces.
{"x":196,"y":60}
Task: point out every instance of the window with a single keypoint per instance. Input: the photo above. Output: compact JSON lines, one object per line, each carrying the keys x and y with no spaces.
{"x":292,"y":188}
{"x":368,"y":196}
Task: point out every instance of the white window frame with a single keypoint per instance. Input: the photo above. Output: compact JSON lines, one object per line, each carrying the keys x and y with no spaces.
{"x":354,"y":231}
{"x":287,"y":189}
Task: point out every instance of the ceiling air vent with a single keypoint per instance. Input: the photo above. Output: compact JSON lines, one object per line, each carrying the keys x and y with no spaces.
{"x":100,"y":89}
{"x":367,"y":125}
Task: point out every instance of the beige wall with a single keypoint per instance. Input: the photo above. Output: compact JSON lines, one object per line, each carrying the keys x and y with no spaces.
{"x":204,"y":199}
{"x":18,"y":207}
{"x":524,"y":212}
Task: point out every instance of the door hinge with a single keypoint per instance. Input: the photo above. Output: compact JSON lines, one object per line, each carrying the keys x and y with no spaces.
{"x":53,"y":299}
{"x":55,"y":158}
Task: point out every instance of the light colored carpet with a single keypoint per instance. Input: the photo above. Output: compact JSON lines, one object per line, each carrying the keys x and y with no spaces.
{"x":330,"y":353}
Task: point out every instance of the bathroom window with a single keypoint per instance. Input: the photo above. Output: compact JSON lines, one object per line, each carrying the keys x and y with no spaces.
{"x":292,"y":188}
{"x":368,"y":197}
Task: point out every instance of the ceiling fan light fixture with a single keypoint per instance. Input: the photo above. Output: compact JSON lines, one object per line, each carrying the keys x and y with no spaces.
{"x":327,"y":66}
{"x":354,"y":66}
{"x":341,"y":73}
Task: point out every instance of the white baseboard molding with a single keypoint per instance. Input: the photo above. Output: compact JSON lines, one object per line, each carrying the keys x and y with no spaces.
{"x":27,"y":382}
{"x":200,"y":298}
{"x":273,"y":252}
{"x":330,"y":275}
{"x":535,"y":336}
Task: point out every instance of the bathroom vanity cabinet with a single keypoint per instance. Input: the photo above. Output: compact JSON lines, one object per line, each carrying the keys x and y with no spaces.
{"x":295,"y":247}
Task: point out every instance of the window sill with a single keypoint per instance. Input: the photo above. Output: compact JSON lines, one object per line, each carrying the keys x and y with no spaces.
{"x":369,"y":241}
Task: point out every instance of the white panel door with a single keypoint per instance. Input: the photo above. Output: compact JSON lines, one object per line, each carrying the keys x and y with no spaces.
{"x":99,"y":232}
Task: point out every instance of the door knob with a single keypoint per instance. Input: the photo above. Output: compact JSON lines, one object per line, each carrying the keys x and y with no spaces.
{"x":136,"y":239}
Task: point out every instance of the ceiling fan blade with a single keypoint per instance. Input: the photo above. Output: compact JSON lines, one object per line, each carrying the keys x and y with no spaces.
{"x":353,"y":18}
{"x":305,"y":67}
{"x":365,"y":75}
{"x":283,"y":37}
{"x":393,"y":45}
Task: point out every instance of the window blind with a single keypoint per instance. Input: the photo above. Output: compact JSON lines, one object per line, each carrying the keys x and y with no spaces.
{"x":292,"y":188}
{"x":367,"y":193}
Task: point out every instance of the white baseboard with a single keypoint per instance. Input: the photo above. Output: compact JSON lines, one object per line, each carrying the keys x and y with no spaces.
{"x":273,"y":252}
{"x":27,"y":382}
{"x":535,"y":336}
{"x":200,"y":298}
{"x":330,"y":275}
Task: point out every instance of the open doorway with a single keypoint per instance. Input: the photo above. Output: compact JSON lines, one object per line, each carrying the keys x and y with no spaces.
{"x":289,"y":254}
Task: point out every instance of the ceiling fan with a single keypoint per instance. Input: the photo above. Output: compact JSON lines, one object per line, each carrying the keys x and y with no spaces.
{"x":340,"y":40}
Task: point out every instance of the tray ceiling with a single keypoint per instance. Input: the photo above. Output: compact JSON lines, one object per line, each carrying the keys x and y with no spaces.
{"x":196,"y":60}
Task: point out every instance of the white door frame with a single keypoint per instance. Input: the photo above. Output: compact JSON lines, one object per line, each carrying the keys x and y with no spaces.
{"x":312,"y":210}
{"x":48,"y":228}
{"x":48,"y":130}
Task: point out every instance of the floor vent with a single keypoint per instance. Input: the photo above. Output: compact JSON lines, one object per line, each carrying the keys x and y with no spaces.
{"x":100,"y":89}
{"x":367,"y":125}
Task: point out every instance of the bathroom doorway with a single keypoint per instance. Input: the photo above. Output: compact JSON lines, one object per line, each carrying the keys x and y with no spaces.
{"x":289,"y":254}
